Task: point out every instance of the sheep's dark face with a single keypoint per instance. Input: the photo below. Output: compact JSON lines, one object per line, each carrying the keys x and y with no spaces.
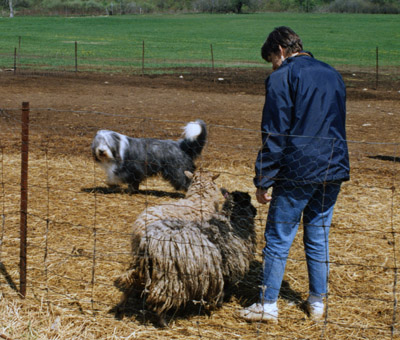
{"x":242,"y":204}
{"x":238,"y":204}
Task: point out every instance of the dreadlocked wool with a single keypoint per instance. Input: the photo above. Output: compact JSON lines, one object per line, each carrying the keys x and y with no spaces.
{"x":201,"y":201}
{"x":179,"y":261}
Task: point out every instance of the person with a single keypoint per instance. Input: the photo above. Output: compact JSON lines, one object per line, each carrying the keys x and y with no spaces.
{"x":304,"y":159}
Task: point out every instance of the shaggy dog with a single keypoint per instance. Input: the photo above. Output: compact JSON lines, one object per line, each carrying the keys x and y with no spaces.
{"x":131,"y":160}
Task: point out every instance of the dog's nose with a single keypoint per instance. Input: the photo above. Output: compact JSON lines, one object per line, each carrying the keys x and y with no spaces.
{"x":101,"y":152}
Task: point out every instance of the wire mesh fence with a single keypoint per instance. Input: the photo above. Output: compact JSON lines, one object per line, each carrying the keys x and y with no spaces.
{"x":145,"y":57}
{"x":138,"y":58}
{"x":79,"y":230}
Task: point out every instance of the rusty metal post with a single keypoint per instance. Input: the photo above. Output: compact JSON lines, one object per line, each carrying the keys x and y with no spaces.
{"x":212,"y":57}
{"x":143,"y":57}
{"x":15,"y":60}
{"x":377,"y":68}
{"x":76,"y":56}
{"x":24,"y":196}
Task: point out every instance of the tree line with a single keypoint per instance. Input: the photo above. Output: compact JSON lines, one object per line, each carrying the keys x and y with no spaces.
{"x":121,"y":7}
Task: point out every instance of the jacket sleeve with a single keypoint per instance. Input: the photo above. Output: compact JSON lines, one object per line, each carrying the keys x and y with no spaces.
{"x":275,"y":127}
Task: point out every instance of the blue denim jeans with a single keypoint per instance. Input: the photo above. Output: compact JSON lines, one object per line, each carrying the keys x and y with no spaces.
{"x":315,"y":202}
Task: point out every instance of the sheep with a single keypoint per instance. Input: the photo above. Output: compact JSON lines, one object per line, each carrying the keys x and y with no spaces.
{"x":179,"y":261}
{"x":200,"y":202}
{"x":235,"y":235}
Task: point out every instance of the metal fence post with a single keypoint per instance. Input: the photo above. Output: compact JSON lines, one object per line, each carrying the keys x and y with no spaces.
{"x":76,"y":56}
{"x":15,"y":60}
{"x":24,"y":196}
{"x":143,"y":58}
{"x":377,"y":68}
{"x":212,"y":57}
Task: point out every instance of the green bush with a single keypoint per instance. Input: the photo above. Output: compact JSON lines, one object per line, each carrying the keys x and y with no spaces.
{"x":119,"y":7}
{"x":73,"y":7}
{"x":138,"y":8}
{"x":225,"y":6}
{"x":362,"y":6}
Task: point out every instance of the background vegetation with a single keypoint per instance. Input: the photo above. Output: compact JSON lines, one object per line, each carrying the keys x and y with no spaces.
{"x":118,"y":7}
{"x":186,"y":39}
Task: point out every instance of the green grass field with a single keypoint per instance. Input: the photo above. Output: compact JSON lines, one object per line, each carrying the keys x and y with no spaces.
{"x":338,"y":39}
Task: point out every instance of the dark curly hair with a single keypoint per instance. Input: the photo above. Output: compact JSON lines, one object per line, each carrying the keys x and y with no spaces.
{"x":281,"y":36}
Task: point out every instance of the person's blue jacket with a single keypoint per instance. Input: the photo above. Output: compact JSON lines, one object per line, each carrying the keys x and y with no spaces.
{"x":303,"y":125}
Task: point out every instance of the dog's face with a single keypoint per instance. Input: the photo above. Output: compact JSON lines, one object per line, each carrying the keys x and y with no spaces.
{"x":105,"y":146}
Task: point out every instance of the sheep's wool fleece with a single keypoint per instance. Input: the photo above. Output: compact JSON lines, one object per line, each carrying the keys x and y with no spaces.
{"x":178,"y":261}
{"x":185,"y":266}
{"x":201,"y":201}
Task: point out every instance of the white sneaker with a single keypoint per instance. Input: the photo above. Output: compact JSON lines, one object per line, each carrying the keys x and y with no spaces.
{"x":315,"y":306}
{"x":259,"y":312}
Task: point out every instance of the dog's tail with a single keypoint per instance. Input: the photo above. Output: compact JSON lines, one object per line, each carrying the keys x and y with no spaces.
{"x":194,"y":138}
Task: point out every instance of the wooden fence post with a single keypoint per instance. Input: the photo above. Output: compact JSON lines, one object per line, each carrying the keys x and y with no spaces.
{"x":24,"y":196}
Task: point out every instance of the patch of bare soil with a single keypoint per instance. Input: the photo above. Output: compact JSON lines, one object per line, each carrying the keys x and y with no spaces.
{"x":79,"y":231}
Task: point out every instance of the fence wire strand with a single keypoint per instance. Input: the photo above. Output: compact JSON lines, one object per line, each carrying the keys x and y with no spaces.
{"x":79,"y":237}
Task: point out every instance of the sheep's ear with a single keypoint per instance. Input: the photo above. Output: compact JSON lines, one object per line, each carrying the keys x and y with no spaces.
{"x":188,"y":174}
{"x":215,"y":177}
{"x":224,"y":192}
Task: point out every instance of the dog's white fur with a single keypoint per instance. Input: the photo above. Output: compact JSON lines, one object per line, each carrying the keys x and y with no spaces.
{"x":102,"y":148}
{"x":192,"y":130}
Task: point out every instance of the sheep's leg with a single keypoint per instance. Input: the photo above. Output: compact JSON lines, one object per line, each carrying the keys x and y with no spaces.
{"x":162,"y":322}
{"x":121,"y":306}
{"x":221,"y":300}
{"x":124,"y":283}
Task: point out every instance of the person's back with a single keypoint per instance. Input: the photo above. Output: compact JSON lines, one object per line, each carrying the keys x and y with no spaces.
{"x":311,"y":97}
{"x":319,"y":96}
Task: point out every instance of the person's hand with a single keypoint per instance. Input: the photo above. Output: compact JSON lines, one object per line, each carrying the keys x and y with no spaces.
{"x":262,"y":196}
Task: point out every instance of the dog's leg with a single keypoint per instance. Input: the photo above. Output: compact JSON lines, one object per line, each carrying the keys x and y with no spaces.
{"x":133,"y":188}
{"x":177,"y":178}
{"x":114,"y":188}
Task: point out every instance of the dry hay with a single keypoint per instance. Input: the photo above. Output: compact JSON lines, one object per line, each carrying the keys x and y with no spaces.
{"x":79,"y":241}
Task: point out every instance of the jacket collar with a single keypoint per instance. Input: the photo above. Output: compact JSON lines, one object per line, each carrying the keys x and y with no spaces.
{"x":300,"y":54}
{"x":304,"y":53}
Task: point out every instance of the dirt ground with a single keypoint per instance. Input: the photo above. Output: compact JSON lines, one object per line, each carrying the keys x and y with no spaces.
{"x":78,"y":232}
